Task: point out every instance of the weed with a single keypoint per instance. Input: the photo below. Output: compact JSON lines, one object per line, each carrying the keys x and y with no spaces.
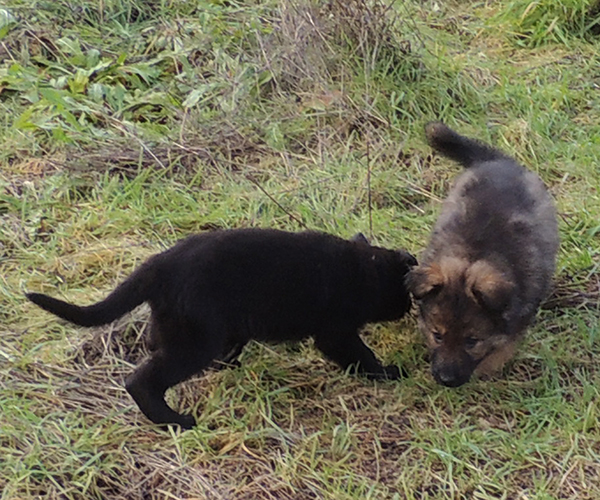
{"x":533,"y":23}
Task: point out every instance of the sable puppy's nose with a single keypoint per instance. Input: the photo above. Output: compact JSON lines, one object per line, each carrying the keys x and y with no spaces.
{"x":449,"y":378}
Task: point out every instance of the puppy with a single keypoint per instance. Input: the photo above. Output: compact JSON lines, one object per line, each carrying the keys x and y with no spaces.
{"x":489,"y":262}
{"x":213,"y":292}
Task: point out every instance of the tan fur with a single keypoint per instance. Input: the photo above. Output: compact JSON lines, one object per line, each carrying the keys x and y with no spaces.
{"x":496,"y":361}
{"x":442,"y":273}
{"x":484,"y":282}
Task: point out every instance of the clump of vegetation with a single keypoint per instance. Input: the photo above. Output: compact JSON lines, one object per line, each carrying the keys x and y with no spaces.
{"x":132,"y":78}
{"x":534,"y":23}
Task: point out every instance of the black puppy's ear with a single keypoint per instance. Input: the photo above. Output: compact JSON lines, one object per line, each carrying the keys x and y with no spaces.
{"x":360,"y":238}
{"x":409,"y":259}
{"x":424,"y":280}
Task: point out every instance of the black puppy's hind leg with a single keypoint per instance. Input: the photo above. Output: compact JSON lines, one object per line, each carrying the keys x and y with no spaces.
{"x":164,"y":369}
{"x":348,"y":350}
{"x":231,"y":357}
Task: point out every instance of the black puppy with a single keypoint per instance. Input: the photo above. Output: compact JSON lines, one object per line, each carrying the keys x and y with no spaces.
{"x":213,"y":292}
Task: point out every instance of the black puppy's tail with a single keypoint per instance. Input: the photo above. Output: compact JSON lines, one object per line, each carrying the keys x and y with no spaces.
{"x":465,"y":151}
{"x":128,"y":295}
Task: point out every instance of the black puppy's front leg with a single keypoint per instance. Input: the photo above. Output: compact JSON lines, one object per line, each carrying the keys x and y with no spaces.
{"x":348,"y":350}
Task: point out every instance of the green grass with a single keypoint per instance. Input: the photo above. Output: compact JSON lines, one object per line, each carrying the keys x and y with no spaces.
{"x":126,"y":125}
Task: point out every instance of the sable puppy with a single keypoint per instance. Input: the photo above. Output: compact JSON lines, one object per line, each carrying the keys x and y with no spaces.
{"x":211,"y":293}
{"x":489,"y":263}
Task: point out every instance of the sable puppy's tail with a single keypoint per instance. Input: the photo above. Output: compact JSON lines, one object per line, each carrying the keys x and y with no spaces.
{"x":128,"y":295}
{"x":465,"y":151}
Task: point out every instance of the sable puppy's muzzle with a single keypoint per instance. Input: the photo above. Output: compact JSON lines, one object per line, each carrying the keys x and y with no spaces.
{"x":451,"y":372}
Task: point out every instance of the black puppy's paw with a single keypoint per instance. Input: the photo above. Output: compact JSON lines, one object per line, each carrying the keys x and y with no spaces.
{"x":185,"y":422}
{"x":219,"y":365}
{"x":392,"y":372}
{"x":389,"y":372}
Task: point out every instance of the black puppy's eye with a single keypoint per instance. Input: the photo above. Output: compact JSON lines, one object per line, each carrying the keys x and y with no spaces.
{"x":438,"y":337}
{"x":471,"y":342}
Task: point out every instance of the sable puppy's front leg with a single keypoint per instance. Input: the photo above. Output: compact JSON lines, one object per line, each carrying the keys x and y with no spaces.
{"x":350,"y":350}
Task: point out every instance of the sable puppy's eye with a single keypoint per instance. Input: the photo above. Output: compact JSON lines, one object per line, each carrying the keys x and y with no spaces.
{"x":438,"y":337}
{"x":471,"y":342}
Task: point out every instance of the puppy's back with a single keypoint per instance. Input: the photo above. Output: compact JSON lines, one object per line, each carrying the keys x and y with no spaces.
{"x":493,"y":204}
{"x":273,"y":282}
{"x":497,"y":210}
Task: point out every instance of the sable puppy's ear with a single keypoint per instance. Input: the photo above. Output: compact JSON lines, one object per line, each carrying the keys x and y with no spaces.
{"x":424,"y":280}
{"x":489,"y":287}
{"x":360,"y":238}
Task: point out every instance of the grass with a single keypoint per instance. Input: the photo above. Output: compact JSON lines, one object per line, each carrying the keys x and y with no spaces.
{"x":127,"y":125}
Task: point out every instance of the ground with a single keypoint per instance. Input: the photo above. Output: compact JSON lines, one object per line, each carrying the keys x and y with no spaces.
{"x":128,"y":124}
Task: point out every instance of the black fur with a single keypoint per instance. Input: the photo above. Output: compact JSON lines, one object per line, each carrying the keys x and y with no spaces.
{"x":213,"y":292}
